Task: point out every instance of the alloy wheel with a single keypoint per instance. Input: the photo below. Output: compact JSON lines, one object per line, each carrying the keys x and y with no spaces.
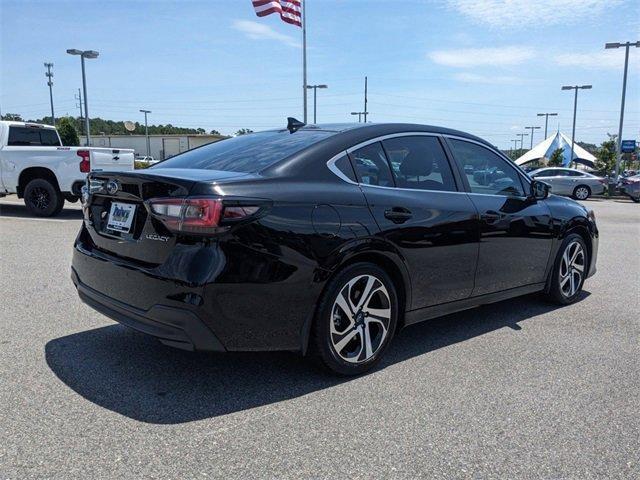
{"x":40,"y":198}
{"x":582,"y":193}
{"x":360,"y":319}
{"x":572,"y":268}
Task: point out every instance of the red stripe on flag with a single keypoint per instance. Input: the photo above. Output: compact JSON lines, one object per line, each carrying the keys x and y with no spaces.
{"x":289,"y":10}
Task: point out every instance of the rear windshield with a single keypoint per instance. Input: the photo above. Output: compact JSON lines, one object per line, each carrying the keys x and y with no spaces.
{"x":246,"y":153}
{"x":31,"y":136}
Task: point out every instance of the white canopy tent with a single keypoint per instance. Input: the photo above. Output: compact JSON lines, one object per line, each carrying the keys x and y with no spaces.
{"x":545,"y":149}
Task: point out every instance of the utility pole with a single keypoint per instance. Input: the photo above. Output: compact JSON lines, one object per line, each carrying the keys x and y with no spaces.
{"x":315,"y":99}
{"x":359,"y":115}
{"x":532,"y":129}
{"x":146,"y":132}
{"x":522,"y":135}
{"x":626,"y":46}
{"x":365,"y":100}
{"x":78,"y":97}
{"x":49,"y":75}
{"x":575,"y":109}
{"x":304,"y":59}
{"x":546,"y":121}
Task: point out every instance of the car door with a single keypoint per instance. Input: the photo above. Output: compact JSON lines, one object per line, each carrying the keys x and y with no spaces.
{"x":515,"y":229}
{"x":414,"y":197}
{"x":563,"y":182}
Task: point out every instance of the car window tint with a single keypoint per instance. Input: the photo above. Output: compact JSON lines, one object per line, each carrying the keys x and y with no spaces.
{"x":31,"y":136}
{"x":419,"y":162}
{"x":246,"y":153}
{"x":491,"y":174}
{"x":344,"y":165}
{"x":370,"y":164}
{"x":574,"y":173}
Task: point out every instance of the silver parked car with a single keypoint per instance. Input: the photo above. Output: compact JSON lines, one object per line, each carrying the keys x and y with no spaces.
{"x":630,"y":186}
{"x":570,"y":182}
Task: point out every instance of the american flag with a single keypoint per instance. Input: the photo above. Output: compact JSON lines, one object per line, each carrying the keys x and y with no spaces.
{"x":289,"y":10}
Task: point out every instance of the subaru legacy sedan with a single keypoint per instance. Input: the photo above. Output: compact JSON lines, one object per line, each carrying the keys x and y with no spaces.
{"x":326,"y":240}
{"x":574,"y":183}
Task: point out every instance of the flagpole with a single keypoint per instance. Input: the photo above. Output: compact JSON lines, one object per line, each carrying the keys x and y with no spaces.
{"x":304,"y":59}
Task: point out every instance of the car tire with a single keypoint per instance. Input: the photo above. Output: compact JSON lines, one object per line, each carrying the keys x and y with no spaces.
{"x":569,"y":270}
{"x":350,"y":335}
{"x":635,"y":199}
{"x":581,"y":192}
{"x":42,"y":198}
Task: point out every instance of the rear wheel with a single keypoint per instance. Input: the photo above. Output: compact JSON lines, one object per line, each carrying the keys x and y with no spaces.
{"x":581,"y":192}
{"x":569,"y":271}
{"x":355,"y":319}
{"x":42,"y":198}
{"x":635,"y":199}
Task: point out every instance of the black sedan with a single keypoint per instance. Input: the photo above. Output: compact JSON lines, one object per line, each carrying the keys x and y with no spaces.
{"x":323,"y":239}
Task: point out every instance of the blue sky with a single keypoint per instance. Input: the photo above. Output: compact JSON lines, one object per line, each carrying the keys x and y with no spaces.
{"x":483,"y":66}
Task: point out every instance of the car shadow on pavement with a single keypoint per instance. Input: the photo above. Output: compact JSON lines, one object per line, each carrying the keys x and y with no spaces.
{"x":134,"y":375}
{"x":20,"y":211}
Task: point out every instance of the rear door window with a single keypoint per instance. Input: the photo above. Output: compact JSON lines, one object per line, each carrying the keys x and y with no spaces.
{"x":371,"y":166}
{"x":419,"y":162}
{"x":31,"y":136}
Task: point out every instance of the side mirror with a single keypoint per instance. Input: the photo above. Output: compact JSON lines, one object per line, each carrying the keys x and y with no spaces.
{"x":539,"y":190}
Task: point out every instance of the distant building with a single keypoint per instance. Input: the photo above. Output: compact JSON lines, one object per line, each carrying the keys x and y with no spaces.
{"x":162,"y":146}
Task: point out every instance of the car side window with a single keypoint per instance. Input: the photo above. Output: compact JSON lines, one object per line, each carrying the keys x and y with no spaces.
{"x":344,"y":166}
{"x":574,"y":173}
{"x":491,"y":174}
{"x":419,"y":162}
{"x":371,"y":166}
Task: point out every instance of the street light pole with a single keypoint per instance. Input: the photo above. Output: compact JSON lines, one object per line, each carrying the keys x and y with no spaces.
{"x":315,"y":99}
{"x":85,"y":54}
{"x":624,"y":91}
{"x":522,"y":135}
{"x":532,"y":129}
{"x":359,"y":115}
{"x":515,"y":146}
{"x":575,"y":109}
{"x":49,"y":75}
{"x":146,"y":132}
{"x":546,"y":121}
{"x":365,"y":100}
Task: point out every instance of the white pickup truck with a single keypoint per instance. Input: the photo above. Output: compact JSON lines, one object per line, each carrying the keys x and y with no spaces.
{"x":37,"y":167}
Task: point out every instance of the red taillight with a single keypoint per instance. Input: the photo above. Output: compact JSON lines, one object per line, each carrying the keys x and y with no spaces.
{"x":85,"y":164}
{"x":197,"y":215}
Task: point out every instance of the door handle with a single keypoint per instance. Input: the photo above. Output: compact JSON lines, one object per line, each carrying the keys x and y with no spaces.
{"x":398,"y":214}
{"x":491,"y":216}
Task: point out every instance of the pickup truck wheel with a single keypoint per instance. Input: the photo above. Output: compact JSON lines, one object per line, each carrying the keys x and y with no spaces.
{"x":42,"y":198}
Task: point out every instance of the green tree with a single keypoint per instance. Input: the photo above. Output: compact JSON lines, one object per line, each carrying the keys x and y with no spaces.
{"x":16,"y":117}
{"x":244,"y":131}
{"x":556,"y":158}
{"x":68,"y":133}
{"x":606,"y":155}
{"x":214,"y":132}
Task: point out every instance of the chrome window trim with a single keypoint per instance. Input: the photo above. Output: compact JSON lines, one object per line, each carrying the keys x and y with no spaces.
{"x":331,"y":163}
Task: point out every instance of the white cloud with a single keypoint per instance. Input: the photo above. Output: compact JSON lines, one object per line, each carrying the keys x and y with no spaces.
{"x":260,"y":31}
{"x":598,"y":60}
{"x":516,"y":13}
{"x":476,"y":57}
{"x":488,"y":79}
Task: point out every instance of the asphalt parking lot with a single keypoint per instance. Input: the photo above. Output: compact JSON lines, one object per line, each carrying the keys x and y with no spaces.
{"x":519,"y":389}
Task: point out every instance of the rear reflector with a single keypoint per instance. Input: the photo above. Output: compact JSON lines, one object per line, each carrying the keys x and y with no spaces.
{"x":197,"y":215}
{"x":85,"y":164}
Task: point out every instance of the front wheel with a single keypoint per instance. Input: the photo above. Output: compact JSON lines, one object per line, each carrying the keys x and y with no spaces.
{"x":42,"y":198}
{"x":569,"y":270}
{"x":355,"y":319}
{"x":581,"y":192}
{"x":635,"y":199}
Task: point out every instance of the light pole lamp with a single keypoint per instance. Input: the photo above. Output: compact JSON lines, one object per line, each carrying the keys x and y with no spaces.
{"x":315,"y":99}
{"x":546,"y":121}
{"x":575,"y":108}
{"x":146,"y":131}
{"x":532,"y":129}
{"x":85,"y":54}
{"x":626,"y":46}
{"x":359,"y":114}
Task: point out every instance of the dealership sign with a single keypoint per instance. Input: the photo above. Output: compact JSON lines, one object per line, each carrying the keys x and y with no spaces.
{"x":628,"y":146}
